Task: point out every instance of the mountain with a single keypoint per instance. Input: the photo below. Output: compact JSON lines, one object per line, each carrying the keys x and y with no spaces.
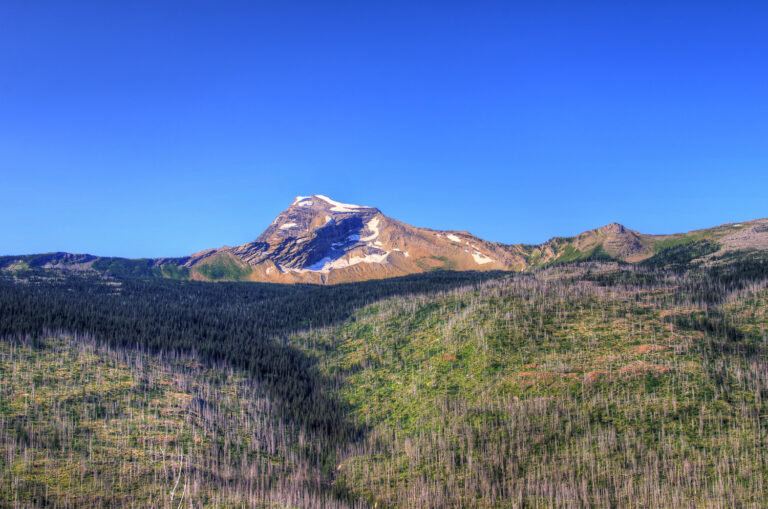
{"x":320,"y":240}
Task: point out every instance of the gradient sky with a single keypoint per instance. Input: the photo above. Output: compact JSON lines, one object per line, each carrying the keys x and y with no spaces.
{"x":162,"y":128}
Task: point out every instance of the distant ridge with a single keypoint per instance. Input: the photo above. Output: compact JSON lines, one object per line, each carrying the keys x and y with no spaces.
{"x":323,"y":241}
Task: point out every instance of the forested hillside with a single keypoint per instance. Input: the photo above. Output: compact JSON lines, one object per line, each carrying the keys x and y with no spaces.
{"x":592,"y":383}
{"x":88,"y":426}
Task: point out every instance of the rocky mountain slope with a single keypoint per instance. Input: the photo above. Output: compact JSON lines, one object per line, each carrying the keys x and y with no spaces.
{"x":320,"y":240}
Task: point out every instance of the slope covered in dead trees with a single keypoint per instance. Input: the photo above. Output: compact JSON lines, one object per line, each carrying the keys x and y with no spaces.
{"x":590,"y":383}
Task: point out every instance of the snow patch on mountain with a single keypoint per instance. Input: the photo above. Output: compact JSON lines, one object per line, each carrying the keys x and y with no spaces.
{"x":315,"y":267}
{"x":453,"y":237}
{"x":327,"y":263}
{"x":354,"y":260}
{"x":303,"y":201}
{"x":288,"y":225}
{"x":481,"y":259}
{"x":340,"y":207}
{"x":373,"y":225}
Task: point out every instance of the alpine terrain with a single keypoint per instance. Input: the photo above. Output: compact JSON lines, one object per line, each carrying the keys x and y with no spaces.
{"x":323,"y":241}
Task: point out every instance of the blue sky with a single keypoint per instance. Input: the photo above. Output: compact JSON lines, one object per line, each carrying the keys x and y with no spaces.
{"x":162,"y":128}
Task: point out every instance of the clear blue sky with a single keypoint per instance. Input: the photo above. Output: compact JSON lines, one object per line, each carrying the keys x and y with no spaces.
{"x":161,"y":128}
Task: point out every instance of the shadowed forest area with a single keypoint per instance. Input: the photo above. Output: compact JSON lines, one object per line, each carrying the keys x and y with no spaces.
{"x":593,"y":383}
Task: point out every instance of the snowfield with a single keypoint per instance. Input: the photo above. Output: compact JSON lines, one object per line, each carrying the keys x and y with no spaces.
{"x":303,"y":201}
{"x":338,"y":206}
{"x":373,"y":225}
{"x":481,"y":259}
{"x":328,"y":264}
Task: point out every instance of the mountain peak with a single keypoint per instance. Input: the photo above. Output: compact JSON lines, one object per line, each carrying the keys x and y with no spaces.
{"x":318,"y":239}
{"x":612,"y":228}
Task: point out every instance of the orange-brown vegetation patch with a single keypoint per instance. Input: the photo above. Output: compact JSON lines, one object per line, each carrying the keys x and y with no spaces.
{"x":649,"y":348}
{"x":535,"y":374}
{"x":642,"y":368}
{"x":449,"y":357}
{"x":594,"y":376}
{"x":676,"y":312}
{"x":544,"y":375}
{"x":631,"y":370}
{"x":607,"y":358}
{"x":621,"y":323}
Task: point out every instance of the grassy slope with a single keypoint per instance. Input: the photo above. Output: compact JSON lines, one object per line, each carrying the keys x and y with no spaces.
{"x":222,"y":267}
{"x":544,"y":391}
